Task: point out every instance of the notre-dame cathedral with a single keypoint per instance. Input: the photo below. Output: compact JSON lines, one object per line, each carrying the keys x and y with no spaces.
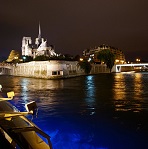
{"x":38,"y":48}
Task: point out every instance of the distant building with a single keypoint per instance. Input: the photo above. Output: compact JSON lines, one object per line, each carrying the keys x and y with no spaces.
{"x":38,"y":48}
{"x":92,"y":53}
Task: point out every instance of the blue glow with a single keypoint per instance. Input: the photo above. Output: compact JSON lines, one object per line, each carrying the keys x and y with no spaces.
{"x":80,"y":113}
{"x":90,"y":94}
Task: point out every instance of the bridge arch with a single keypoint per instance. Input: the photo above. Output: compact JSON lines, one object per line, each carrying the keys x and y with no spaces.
{"x":5,"y":69}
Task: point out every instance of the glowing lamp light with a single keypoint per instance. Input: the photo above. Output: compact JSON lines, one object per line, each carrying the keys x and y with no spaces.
{"x":116,"y":60}
{"x":89,"y":59}
{"x":137,"y":60}
{"x":122,"y":61}
{"x":15,"y":57}
{"x":24,"y":58}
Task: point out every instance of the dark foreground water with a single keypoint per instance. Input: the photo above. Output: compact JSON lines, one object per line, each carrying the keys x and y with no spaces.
{"x":105,"y":111}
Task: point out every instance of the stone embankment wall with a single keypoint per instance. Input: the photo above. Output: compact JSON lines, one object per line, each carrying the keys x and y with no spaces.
{"x":99,"y":68}
{"x":48,"y":69}
{"x":54,"y":69}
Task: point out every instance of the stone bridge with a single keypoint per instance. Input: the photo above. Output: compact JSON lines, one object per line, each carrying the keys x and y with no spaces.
{"x":6,"y":69}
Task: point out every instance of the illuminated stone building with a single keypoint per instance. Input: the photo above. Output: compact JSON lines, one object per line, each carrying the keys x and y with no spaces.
{"x":38,"y":48}
{"x":92,"y":53}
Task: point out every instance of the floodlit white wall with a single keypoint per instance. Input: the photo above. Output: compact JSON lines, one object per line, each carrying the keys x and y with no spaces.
{"x":48,"y":69}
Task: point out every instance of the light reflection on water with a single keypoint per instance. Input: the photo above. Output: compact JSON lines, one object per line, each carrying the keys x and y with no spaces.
{"x":88,"y":112}
{"x":90,"y":92}
{"x":128,"y":92}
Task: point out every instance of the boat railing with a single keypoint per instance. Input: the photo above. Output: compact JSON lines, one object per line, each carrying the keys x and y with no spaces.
{"x":19,"y":124}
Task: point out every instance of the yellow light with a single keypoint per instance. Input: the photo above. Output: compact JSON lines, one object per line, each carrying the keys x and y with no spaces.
{"x":117,"y":60}
{"x":81,"y":59}
{"x":137,"y":60}
{"x":15,"y":57}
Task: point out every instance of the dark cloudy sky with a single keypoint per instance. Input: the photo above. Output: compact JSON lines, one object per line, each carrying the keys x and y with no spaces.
{"x":74,"y":25}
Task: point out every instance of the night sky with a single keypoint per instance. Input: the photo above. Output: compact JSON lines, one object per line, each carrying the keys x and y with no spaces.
{"x":74,"y":25}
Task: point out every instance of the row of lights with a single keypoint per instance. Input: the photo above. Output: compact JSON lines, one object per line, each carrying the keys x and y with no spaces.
{"x":116,"y":61}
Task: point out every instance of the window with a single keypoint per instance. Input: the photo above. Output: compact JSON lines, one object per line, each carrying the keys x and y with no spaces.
{"x":57,"y":73}
{"x":54,"y":72}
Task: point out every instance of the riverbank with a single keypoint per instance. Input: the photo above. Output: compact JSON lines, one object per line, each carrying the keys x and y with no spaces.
{"x":54,"y":69}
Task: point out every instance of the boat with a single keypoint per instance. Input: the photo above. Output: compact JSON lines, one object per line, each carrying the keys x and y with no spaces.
{"x":17,"y":131}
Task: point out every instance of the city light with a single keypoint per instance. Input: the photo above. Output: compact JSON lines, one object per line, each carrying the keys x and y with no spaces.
{"x":15,"y":57}
{"x":24,"y":58}
{"x":89,"y":59}
{"x":122,"y":62}
{"x":116,"y":60}
{"x":137,"y":60}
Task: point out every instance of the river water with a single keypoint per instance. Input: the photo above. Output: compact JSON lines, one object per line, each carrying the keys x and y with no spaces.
{"x":104,"y":111}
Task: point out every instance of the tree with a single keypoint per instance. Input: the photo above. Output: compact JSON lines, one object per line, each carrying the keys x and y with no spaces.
{"x":86,"y":66}
{"x":13,"y":57}
{"x":107,"y":57}
{"x":77,"y":58}
{"x":41,"y":58}
{"x":27,"y":58}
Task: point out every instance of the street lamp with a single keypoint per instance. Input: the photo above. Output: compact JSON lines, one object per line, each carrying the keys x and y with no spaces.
{"x":137,"y":60}
{"x":24,"y":58}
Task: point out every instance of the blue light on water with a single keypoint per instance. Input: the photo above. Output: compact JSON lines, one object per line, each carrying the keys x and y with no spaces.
{"x":69,"y":140}
{"x":81,"y":113}
{"x":69,"y":134}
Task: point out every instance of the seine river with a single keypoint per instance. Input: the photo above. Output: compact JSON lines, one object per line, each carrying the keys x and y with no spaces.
{"x":104,"y":111}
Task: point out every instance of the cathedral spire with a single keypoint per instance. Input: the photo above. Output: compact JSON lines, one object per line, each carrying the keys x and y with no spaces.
{"x":39,"y":35}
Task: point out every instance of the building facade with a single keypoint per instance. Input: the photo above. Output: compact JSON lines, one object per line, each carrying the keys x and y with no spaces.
{"x":92,"y":53}
{"x":38,"y":48}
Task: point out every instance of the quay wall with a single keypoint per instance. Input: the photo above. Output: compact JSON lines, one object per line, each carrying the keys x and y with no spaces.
{"x":47,"y":69}
{"x":99,"y":68}
{"x":54,"y":69}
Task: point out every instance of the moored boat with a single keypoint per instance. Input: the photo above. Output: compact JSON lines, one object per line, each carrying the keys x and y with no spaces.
{"x":16,"y":131}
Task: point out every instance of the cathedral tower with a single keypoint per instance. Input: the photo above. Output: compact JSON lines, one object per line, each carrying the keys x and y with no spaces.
{"x":39,"y":39}
{"x":39,"y":35}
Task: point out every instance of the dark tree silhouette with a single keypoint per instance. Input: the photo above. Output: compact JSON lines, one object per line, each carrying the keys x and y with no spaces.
{"x":107,"y":57}
{"x":41,"y":58}
{"x":85,"y":65}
